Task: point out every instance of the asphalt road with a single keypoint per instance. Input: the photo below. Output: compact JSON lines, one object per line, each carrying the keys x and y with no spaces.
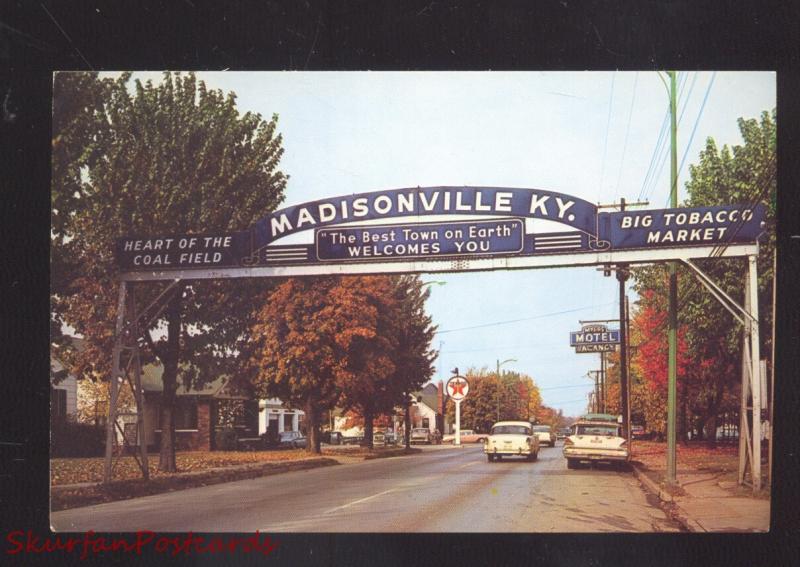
{"x":445,"y":489}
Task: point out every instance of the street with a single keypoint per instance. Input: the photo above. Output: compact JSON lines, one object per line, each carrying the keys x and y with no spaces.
{"x":444,"y":489}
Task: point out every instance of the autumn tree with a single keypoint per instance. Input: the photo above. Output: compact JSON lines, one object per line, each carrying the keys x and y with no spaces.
{"x":155,"y":159}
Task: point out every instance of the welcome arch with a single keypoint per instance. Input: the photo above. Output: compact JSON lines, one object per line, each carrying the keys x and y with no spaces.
{"x":444,"y":229}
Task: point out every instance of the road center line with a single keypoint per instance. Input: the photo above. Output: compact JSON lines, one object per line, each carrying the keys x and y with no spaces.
{"x":359,"y":501}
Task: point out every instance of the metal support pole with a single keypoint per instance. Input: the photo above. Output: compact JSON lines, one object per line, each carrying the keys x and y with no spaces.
{"x":458,"y":422}
{"x":744,"y":428}
{"x":672,"y":374}
{"x":114,"y":382}
{"x":137,"y":387}
{"x":755,"y":373}
{"x":622,"y":276}
{"x":771,"y":402}
{"x":603,"y":382}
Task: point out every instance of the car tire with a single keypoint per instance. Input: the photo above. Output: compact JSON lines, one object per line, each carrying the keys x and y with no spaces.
{"x":490,"y":457}
{"x":572,"y":464}
{"x":533,"y":456}
{"x":498,"y":458}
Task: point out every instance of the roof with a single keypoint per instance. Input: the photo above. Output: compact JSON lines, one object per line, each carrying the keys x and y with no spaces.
{"x":526,"y":423}
{"x":605,"y":417}
{"x":430,"y":396}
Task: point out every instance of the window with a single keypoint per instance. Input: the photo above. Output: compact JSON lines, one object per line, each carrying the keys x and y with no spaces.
{"x":287,"y":421}
{"x":426,"y":423}
{"x":511,"y":430}
{"x":184,"y":416}
{"x":610,"y":430}
{"x":58,"y":404}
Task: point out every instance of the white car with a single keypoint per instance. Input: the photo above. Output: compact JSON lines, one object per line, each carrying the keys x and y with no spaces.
{"x":508,"y":438}
{"x":596,"y":438}
{"x":545,"y":435}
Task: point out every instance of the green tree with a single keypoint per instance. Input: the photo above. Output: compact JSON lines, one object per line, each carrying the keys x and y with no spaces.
{"x":152,"y":159}
{"x":711,"y":338}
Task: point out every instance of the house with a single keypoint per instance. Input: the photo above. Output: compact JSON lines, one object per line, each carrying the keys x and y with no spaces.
{"x":428,"y":408}
{"x":200,"y":410}
{"x":273,"y":413}
{"x":63,"y":391}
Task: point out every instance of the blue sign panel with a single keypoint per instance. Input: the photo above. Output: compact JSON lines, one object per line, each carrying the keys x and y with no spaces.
{"x":586,"y":230}
{"x":420,"y":240}
{"x":579,"y":338}
{"x":696,"y":226}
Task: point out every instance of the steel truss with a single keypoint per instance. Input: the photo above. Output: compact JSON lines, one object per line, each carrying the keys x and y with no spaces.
{"x":126,"y":367}
{"x":747,"y":315}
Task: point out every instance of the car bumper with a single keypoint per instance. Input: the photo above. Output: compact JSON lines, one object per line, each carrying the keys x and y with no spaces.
{"x":511,"y":452}
{"x":596,"y":455}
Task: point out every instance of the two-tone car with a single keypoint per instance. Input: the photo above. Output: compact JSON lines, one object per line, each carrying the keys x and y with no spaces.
{"x":545,"y":435}
{"x":596,"y":438}
{"x":511,"y":438}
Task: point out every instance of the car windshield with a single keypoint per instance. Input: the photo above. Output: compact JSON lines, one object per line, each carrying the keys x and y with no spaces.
{"x":541,"y":428}
{"x":510,"y":430}
{"x":423,"y":431}
{"x":596,"y":430}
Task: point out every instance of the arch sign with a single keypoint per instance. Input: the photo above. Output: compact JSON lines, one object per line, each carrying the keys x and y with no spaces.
{"x":402,"y":230}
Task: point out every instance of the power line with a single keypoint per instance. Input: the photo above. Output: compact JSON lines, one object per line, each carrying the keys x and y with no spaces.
{"x":523,"y":319}
{"x":608,"y":127}
{"x":627,"y":131}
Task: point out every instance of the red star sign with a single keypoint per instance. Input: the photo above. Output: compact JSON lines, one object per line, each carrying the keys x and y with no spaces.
{"x":458,"y":387}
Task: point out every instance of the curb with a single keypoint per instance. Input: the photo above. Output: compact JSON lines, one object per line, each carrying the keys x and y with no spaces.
{"x":668,"y":503}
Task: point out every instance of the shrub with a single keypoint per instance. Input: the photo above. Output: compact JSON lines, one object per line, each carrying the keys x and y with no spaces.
{"x":226,"y":439}
{"x":71,"y":439}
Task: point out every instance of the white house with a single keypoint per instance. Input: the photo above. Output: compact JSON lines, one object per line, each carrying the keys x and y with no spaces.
{"x":63,"y":391}
{"x":272,"y":411}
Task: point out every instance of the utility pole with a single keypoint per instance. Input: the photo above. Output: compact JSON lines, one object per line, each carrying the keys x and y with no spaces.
{"x":602,"y":382}
{"x":672,"y":373}
{"x":622,"y":277}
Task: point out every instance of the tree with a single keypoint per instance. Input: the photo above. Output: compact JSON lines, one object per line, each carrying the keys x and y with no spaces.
{"x":171,"y":158}
{"x":709,"y":338}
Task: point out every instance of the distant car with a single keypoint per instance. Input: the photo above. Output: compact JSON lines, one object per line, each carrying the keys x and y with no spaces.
{"x":379,"y":438}
{"x":563,"y":433}
{"x":508,"y":438}
{"x":390,"y":438}
{"x":421,"y":435}
{"x":596,"y":437}
{"x":545,"y":435}
{"x":638,"y":432}
{"x":292,"y":439}
{"x":332,"y":437}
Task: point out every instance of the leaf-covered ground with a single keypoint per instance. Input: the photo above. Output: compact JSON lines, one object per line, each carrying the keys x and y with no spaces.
{"x":693,"y":457}
{"x":74,"y":471}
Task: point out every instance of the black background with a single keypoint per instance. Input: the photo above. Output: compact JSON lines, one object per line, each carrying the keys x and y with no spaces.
{"x":37,"y":38}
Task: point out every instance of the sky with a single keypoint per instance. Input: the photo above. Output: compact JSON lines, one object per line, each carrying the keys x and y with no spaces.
{"x":595,"y":135}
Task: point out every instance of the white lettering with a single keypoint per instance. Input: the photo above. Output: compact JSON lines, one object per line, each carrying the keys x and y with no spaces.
{"x":538,"y":203}
{"x":279,"y":225}
{"x":502,"y":201}
{"x":563,"y":208}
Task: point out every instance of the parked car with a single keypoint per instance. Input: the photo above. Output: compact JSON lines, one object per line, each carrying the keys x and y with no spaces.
{"x":596,"y":437}
{"x":292,"y":440}
{"x":508,"y":438}
{"x":563,"y":433}
{"x":379,"y":438}
{"x":467,"y":436}
{"x":332,"y":437}
{"x":421,"y":435}
{"x":545,"y":435}
{"x":390,"y":438}
{"x":638,"y":432}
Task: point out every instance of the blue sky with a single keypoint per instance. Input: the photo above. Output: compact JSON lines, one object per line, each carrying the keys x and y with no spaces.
{"x":589,"y":134}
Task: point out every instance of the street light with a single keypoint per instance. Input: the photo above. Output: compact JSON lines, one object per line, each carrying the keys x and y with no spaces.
{"x":499,"y":364}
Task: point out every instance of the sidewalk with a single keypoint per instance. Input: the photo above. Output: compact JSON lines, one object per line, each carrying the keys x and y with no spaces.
{"x":705,"y":503}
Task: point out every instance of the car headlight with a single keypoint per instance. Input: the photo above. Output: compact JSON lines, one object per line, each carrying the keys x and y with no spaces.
{"x":568,"y":442}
